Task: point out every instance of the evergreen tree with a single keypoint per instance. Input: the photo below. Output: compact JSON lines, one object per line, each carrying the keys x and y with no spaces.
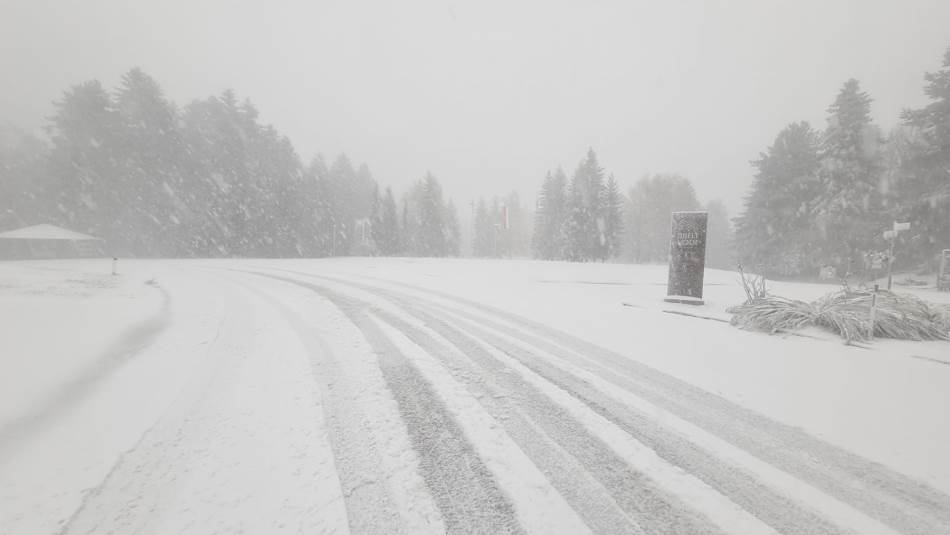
{"x":652,"y":201}
{"x":317,"y":230}
{"x":484,"y":231}
{"x":925,"y":191}
{"x":541,"y":240}
{"x":613,"y":205}
{"x":849,"y":207}
{"x":550,"y":218}
{"x":410,"y":229}
{"x":153,"y":157}
{"x":386,"y":227}
{"x":431,"y":232}
{"x":775,"y":231}
{"x":585,"y":220}
{"x":452,"y":230}
{"x":557,"y":225}
{"x":720,"y":252}
{"x":87,"y":183}
{"x":497,"y":215}
{"x":342,"y":194}
{"x":24,"y":187}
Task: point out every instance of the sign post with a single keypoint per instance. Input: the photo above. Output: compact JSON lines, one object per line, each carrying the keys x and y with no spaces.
{"x":687,"y":258}
{"x":943,"y":276}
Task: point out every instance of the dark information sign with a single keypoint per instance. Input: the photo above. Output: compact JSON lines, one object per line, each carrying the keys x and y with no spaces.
{"x":687,"y":258}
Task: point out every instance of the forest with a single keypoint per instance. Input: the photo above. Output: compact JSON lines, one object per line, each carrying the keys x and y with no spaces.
{"x":210,"y":180}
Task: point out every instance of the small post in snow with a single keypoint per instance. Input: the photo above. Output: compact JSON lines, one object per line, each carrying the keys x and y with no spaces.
{"x":115,"y":261}
{"x":871,"y":315}
{"x":892,"y":235}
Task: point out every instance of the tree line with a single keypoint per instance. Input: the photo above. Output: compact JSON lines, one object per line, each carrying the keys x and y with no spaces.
{"x":825,"y":197}
{"x":581,"y":220}
{"x":208,"y":179}
{"x":589,"y":218}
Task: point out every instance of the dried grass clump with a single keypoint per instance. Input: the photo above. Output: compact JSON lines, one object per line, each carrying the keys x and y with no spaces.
{"x":847,"y":312}
{"x":773,"y":314}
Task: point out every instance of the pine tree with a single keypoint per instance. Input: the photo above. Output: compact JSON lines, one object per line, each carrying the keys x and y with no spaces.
{"x":720,"y":252}
{"x":342,"y":194}
{"x":452,"y":230}
{"x":775,"y":232}
{"x":613,"y":205}
{"x":925,"y":195}
{"x":557,"y":224}
{"x":431,"y":218}
{"x":584,"y":234}
{"x":849,"y":208}
{"x":550,"y":218}
{"x":318,"y":223}
{"x":152,"y":152}
{"x":541,"y":240}
{"x":24,"y":179}
{"x":386,"y":225}
{"x":410,"y":230}
{"x":484,"y":231}
{"x":652,"y":201}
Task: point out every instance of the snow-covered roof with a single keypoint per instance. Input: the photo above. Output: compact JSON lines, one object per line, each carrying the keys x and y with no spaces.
{"x":45,"y":232}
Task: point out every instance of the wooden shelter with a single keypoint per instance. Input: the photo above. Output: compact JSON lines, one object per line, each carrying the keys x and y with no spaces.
{"x":48,"y":241}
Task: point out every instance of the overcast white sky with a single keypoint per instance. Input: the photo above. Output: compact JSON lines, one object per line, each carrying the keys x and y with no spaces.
{"x":489,"y":95}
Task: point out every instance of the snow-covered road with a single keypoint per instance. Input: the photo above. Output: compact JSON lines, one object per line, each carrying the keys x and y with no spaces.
{"x":402,"y":396}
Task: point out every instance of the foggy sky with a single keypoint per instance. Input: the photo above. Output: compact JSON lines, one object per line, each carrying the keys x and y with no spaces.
{"x":490,"y":95}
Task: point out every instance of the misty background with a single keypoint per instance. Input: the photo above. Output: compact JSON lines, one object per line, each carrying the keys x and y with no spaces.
{"x":488,"y":96}
{"x":552,"y":131}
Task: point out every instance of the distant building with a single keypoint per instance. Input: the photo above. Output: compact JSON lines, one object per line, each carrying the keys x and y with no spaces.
{"x":48,"y":241}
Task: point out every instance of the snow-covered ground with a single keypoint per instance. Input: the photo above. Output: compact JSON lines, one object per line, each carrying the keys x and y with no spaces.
{"x":424,"y":396}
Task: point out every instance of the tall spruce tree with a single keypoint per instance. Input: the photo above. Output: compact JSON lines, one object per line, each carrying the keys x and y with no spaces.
{"x":849,"y":209}
{"x":585,"y":209}
{"x":431,"y":231}
{"x":775,"y":232}
{"x":24,"y":187}
{"x":386,"y":227}
{"x":88,"y":182}
{"x":453,"y":232}
{"x":925,"y":193}
{"x":153,"y":160}
{"x":549,"y":217}
{"x":613,"y":205}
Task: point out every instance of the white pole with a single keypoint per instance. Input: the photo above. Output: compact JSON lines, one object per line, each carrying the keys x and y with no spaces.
{"x":890,"y":262}
{"x":871,"y":315}
{"x":115,"y":261}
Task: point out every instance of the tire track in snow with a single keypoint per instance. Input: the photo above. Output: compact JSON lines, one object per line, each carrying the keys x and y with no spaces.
{"x":583,"y":492}
{"x":364,"y":460}
{"x":461,"y":485}
{"x":651,"y":507}
{"x":538,"y":505}
{"x":777,"y":510}
{"x":895,"y":499}
{"x":644,"y":501}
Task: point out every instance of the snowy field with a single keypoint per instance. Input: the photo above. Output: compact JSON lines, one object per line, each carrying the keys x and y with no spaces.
{"x":429,"y":396}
